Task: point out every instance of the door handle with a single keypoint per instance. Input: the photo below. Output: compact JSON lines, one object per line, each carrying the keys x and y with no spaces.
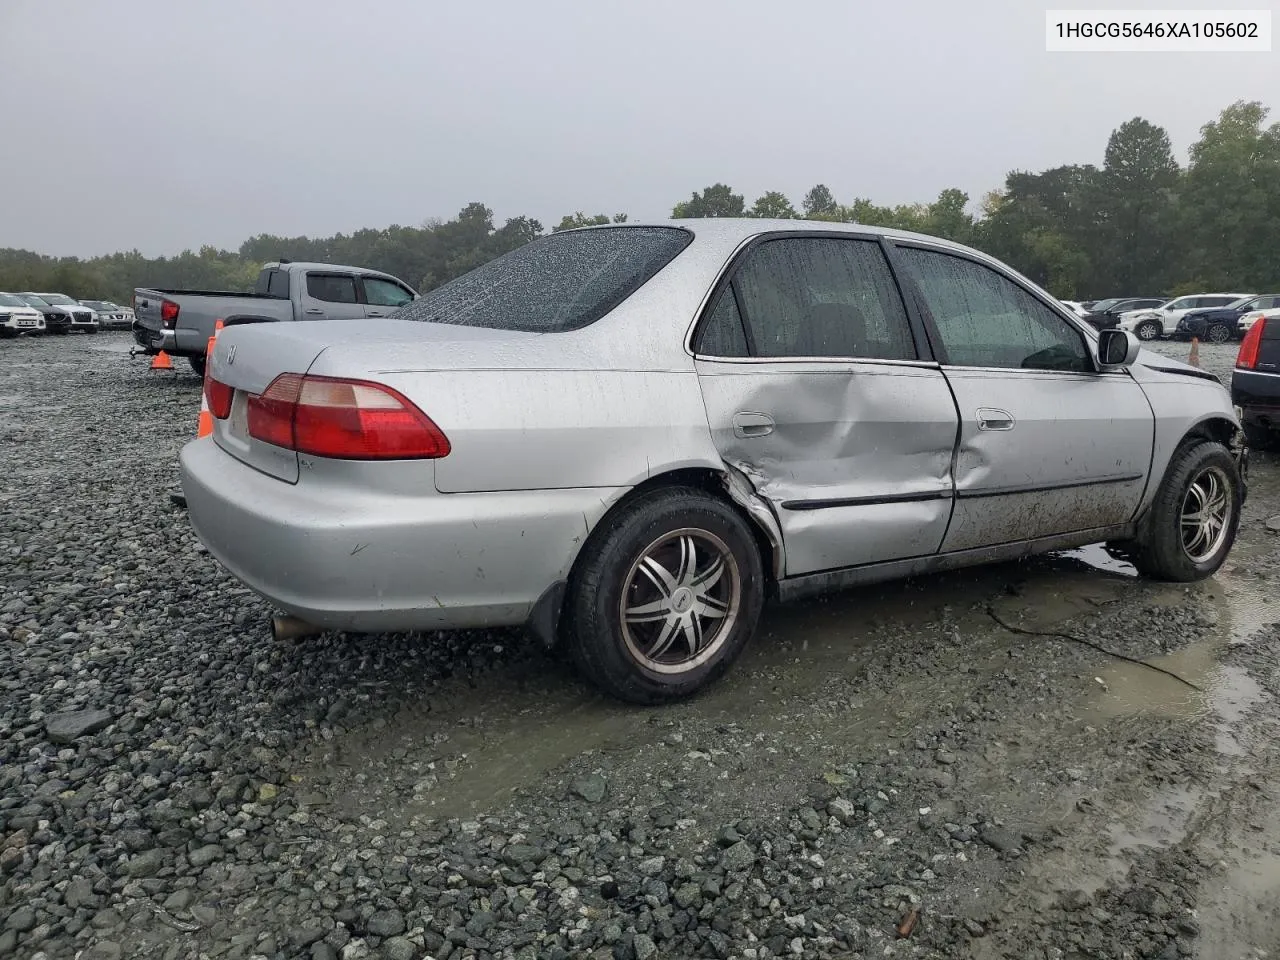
{"x":314,"y":312}
{"x":989,"y":418}
{"x":747,"y":424}
{"x":379,"y":314}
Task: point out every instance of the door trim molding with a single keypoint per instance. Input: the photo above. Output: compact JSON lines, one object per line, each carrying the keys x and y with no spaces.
{"x":867,"y":501}
{"x":981,"y":492}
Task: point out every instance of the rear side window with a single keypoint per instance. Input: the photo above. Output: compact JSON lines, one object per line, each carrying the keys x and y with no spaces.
{"x":278,"y":284}
{"x":331,"y":288}
{"x":723,"y":335}
{"x":558,"y":283}
{"x":823,"y":297}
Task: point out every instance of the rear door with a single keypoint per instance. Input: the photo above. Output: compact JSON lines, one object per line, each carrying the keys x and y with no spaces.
{"x":383,"y":296}
{"x":1048,"y":445}
{"x":330,"y":295}
{"x":814,"y":390}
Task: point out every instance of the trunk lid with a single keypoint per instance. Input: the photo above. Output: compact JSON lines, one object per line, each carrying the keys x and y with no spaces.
{"x":247,"y":358}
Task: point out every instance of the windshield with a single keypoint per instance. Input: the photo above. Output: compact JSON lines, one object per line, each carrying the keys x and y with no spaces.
{"x":59,"y":299}
{"x":558,"y":283}
{"x":1242,"y":303}
{"x":1102,"y":305}
{"x":31,"y":300}
{"x":9,"y":300}
{"x":1182,"y":303}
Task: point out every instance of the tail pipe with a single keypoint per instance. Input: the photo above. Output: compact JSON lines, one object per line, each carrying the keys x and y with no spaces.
{"x":292,"y":628}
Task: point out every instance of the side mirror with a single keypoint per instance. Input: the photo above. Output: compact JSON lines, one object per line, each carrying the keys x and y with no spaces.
{"x":1117,"y":348}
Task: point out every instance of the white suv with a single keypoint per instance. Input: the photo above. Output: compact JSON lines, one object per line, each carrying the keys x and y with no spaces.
{"x":1163,"y":320}
{"x":17,"y":317}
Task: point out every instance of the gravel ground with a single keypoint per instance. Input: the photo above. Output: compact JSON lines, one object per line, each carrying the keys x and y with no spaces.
{"x":175,"y":784}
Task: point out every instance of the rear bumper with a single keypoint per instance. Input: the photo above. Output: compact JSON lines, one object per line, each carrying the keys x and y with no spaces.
{"x":1258,"y":396}
{"x":153,"y":341}
{"x":369,"y":561}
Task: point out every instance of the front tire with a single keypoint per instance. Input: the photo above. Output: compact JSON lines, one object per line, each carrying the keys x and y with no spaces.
{"x":1192,"y":523}
{"x":665,"y":597}
{"x":1149,"y":330}
{"x":1218,"y":333}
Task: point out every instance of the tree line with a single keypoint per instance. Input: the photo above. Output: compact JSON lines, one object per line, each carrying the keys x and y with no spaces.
{"x":1141,"y":224}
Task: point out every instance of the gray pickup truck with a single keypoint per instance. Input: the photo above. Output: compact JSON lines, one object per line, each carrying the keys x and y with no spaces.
{"x":180,"y":322}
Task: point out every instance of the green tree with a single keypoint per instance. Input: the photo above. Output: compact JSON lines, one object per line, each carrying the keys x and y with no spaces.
{"x":1231,"y":200}
{"x":773,"y":205}
{"x":819,"y":204}
{"x":1136,"y":205}
{"x":572,"y":221}
{"x":948,"y":217}
{"x":717,"y":200}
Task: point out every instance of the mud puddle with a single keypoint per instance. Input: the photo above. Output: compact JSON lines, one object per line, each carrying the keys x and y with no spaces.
{"x":1226,"y":692}
{"x":536,"y":716}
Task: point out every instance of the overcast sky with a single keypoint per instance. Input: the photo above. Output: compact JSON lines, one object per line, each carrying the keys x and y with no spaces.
{"x":162,"y":125}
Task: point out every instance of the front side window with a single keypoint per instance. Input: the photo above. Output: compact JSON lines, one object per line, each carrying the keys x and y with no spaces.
{"x":331,"y":288}
{"x":822,"y":297}
{"x":384,"y":293}
{"x":557,"y":283}
{"x":986,"y":320}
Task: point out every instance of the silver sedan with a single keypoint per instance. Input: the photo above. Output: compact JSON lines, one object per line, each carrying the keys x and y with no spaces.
{"x":628,"y":437}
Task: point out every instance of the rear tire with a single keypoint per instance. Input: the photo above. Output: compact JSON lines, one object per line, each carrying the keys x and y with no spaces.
{"x":197,"y":364}
{"x":1192,"y":523}
{"x":665,"y":597}
{"x":1149,"y":330}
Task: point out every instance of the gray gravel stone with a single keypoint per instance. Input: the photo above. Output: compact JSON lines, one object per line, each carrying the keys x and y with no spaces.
{"x":72,"y":725}
{"x":386,"y":923}
{"x":591,"y":788}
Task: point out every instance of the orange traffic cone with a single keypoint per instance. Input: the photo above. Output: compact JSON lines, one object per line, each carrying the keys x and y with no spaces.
{"x":162,"y":362}
{"x":1194,"y":359}
{"x":204,"y":425}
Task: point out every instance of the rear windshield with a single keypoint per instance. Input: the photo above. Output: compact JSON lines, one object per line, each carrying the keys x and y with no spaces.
{"x":561,"y":282}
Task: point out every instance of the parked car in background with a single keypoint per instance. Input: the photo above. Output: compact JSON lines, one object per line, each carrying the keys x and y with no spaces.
{"x":56,"y":319}
{"x":1220,"y":324}
{"x":1247,"y":320}
{"x":628,"y":436}
{"x":110,"y":316}
{"x":1075,"y":307}
{"x":1163,"y":320}
{"x":181,"y":322}
{"x":79,"y":316}
{"x":1105,"y":314}
{"x":1255,"y":382}
{"x":17,"y":316}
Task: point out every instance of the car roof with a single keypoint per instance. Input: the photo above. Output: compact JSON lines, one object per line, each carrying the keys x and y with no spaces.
{"x":308,"y":265}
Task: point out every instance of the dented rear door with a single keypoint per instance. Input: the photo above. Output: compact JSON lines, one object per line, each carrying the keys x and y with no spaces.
{"x":814,"y":390}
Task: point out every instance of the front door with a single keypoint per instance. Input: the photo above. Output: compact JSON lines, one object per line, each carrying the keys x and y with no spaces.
{"x":331,"y":296}
{"x":1048,"y":445}
{"x":383,"y":297}
{"x":815,"y":391}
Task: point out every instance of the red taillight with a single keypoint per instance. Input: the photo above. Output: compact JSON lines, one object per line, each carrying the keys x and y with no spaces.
{"x":218,"y":395}
{"x":168,"y":312}
{"x":1247,"y":358}
{"x":344,"y":419}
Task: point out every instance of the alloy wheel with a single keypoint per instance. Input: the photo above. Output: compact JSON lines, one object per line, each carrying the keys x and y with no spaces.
{"x":680,"y":600}
{"x":1206,"y":514}
{"x":1218,"y":334}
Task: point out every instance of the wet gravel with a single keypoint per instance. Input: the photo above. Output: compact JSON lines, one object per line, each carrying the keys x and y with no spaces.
{"x":890,"y":773}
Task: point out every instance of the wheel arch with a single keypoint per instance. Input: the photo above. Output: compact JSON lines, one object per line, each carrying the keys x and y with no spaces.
{"x":726,"y":484}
